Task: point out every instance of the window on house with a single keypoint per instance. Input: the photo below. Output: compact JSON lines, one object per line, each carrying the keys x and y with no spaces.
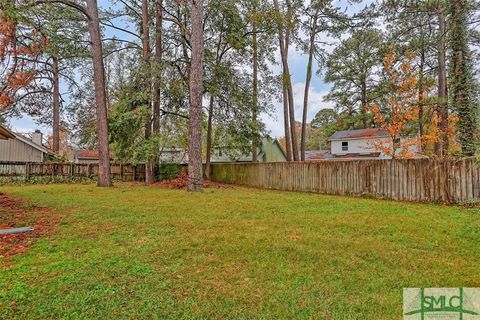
{"x":345,"y":146}
{"x":396,"y":143}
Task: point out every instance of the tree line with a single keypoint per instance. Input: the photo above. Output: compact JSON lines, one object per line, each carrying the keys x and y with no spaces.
{"x":143,"y":76}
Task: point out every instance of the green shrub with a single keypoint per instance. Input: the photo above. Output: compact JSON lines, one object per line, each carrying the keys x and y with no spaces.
{"x":44,"y":180}
{"x":167,"y":171}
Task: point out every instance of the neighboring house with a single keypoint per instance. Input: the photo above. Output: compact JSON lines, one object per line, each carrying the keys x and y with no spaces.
{"x":6,"y":134}
{"x":23,"y":149}
{"x":359,"y":144}
{"x":174,"y":155}
{"x":87,"y":156}
{"x":269,"y":151}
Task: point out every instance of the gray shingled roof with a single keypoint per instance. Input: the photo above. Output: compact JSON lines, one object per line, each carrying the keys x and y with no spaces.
{"x":359,"y":134}
{"x":28,"y":141}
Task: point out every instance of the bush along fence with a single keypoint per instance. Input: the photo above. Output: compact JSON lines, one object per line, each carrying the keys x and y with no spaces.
{"x":67,"y":171}
{"x":410,"y":180}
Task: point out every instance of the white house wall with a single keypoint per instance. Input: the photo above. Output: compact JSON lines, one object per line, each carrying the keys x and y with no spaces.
{"x":361,"y":146}
{"x":365,"y":146}
{"x":15,"y":150}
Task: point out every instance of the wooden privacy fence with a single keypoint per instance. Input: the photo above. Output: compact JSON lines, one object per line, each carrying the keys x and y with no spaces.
{"x":25,"y":170}
{"x":411,"y":180}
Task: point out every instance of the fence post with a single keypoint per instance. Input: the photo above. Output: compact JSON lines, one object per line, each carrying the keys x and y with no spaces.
{"x":134,"y":172}
{"x":122,"y":174}
{"x":27,"y":171}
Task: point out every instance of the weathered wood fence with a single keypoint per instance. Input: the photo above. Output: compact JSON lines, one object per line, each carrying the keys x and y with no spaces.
{"x":411,"y":180}
{"x":25,"y":170}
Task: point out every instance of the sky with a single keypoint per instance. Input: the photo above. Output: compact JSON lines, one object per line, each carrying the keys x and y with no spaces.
{"x":274,"y":120}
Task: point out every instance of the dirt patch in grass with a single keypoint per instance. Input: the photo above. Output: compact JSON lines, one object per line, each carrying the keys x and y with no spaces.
{"x":16,"y":214}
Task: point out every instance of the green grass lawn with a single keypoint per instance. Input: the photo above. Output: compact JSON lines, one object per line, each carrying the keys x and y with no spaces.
{"x":145,"y":253}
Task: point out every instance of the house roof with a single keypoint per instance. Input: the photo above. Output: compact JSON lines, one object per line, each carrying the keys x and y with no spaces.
{"x":6,"y":134}
{"x":370,"y":155}
{"x":88,"y":154}
{"x":28,"y":141}
{"x":359,"y":134}
{"x":318,"y":155}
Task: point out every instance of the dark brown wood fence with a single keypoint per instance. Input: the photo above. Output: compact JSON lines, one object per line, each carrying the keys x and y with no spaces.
{"x":23,"y":170}
{"x":410,"y":180}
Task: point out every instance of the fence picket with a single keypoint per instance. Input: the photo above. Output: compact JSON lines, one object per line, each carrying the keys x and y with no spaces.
{"x":26,"y":170}
{"x":453,"y":181}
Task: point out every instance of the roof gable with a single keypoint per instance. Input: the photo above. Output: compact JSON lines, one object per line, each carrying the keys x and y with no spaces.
{"x":31,"y":143}
{"x":280,"y":147}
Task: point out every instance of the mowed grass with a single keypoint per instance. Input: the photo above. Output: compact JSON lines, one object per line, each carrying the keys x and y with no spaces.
{"x":151,"y":253}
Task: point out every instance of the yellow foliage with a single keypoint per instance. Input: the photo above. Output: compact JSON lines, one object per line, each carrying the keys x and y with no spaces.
{"x":399,"y":109}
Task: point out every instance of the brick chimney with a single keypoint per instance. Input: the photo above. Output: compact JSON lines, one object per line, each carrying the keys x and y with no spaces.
{"x":37,"y":137}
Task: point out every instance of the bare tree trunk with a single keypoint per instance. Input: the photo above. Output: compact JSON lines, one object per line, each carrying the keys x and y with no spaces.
{"x":158,"y":61}
{"x":291,"y":104}
{"x":56,"y":106}
{"x":149,"y":166}
{"x":363,"y":110}
{"x":307,"y":84}
{"x":286,"y":117}
{"x":195,"y":179}
{"x":443,"y":145}
{"x":208,"y":167}
{"x":284,"y":42}
{"x":421,"y":99}
{"x":104,"y":179}
{"x":255,"y":92}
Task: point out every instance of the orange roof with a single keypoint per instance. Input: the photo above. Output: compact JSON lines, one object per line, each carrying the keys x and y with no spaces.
{"x":91,"y":154}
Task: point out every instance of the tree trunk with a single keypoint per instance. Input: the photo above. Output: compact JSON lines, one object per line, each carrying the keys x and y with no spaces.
{"x":158,"y":62}
{"x":255,"y":93}
{"x":56,"y":106}
{"x":149,"y":166}
{"x":363,"y":108}
{"x":462,"y":78}
{"x":307,"y":84}
{"x":284,"y":42}
{"x":421,"y":99}
{"x":104,"y":179}
{"x":208,"y":167}
{"x":195,"y":179}
{"x":441,"y":148}
{"x":291,"y":104}
{"x":286,"y":117}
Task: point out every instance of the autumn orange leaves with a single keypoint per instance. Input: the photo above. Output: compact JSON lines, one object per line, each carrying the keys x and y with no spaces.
{"x":15,"y":56}
{"x":398,"y":111}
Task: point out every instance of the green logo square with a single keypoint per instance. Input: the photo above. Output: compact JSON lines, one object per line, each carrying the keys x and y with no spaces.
{"x":441,"y":303}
